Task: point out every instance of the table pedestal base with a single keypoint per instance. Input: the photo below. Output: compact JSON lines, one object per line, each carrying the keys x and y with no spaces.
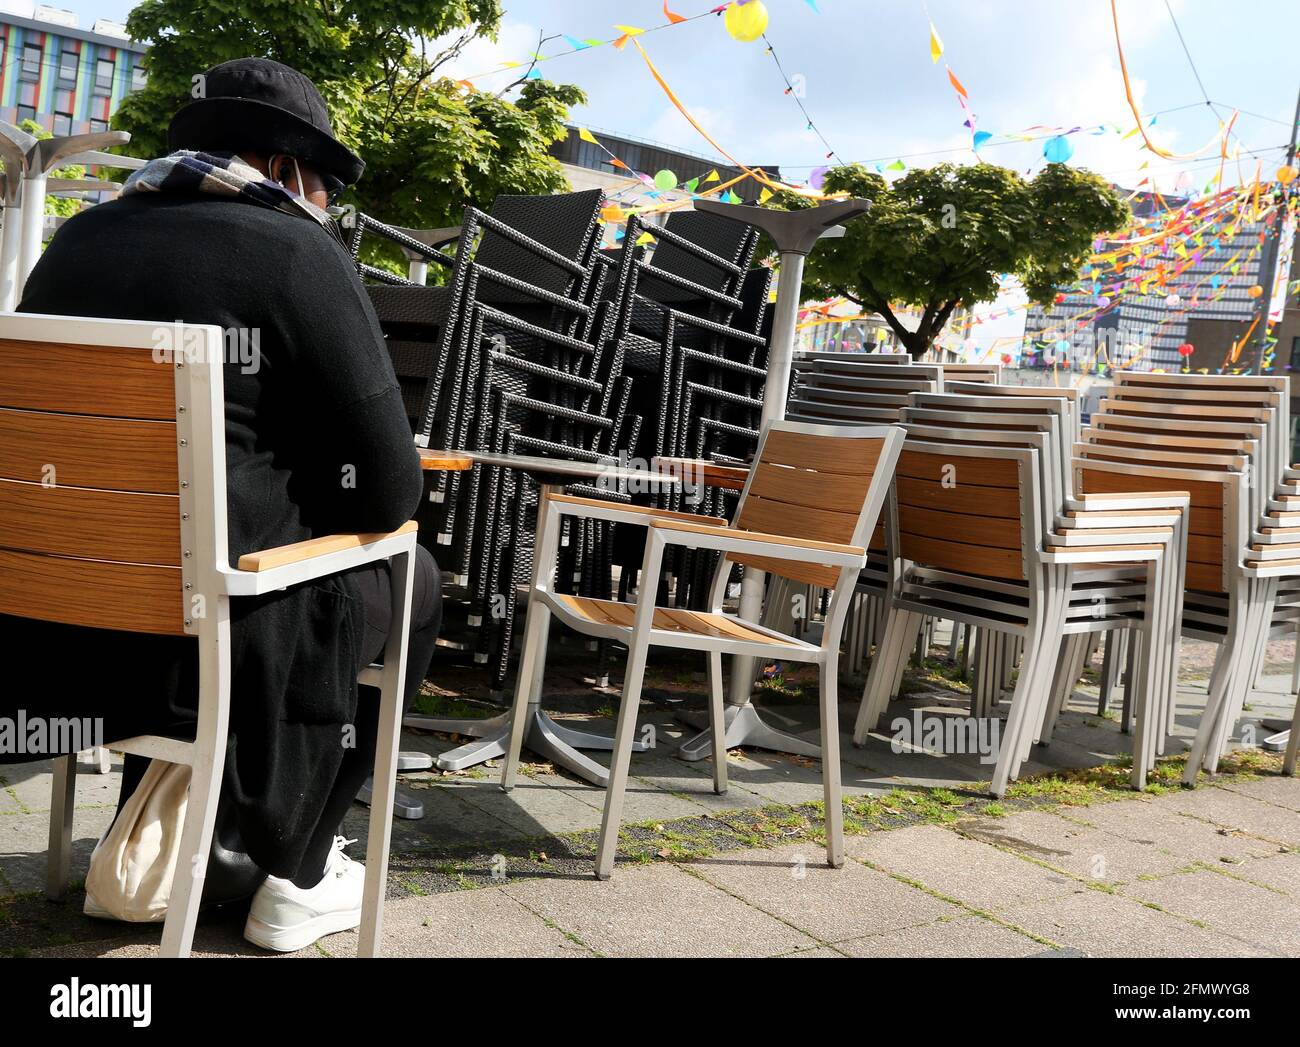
{"x":745,"y":730}
{"x":543,"y":736}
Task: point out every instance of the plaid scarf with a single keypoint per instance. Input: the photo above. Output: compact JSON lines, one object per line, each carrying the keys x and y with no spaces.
{"x":221,"y":174}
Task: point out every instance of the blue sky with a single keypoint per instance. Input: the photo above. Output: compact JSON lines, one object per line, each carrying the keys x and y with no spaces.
{"x":874,"y":93}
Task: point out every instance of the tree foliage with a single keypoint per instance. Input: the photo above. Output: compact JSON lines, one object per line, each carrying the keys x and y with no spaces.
{"x":430,"y":146}
{"x":940,"y":237}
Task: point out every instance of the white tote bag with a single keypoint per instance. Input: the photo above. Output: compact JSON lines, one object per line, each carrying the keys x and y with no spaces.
{"x":132,"y":867}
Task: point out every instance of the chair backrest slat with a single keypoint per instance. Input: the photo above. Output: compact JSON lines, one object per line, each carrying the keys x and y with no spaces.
{"x":955,"y":510}
{"x":97,"y":421}
{"x":814,"y":484}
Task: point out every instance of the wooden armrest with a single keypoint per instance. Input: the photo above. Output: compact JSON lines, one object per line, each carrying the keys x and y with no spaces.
{"x":444,"y":461}
{"x":731,"y":477}
{"x":766,"y":539}
{"x":711,"y":522}
{"x":268,"y":559}
{"x":1153,"y":497}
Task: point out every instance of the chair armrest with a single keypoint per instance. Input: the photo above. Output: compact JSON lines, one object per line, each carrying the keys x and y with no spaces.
{"x":1112,"y":501}
{"x":270,"y":569}
{"x":594,"y":508}
{"x":777,"y":546}
{"x":731,"y":477}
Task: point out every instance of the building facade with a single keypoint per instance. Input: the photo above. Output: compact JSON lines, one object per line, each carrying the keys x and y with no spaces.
{"x":68,"y":79}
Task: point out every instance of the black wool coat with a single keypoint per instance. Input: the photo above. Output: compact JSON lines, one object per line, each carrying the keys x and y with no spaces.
{"x":317,"y":443}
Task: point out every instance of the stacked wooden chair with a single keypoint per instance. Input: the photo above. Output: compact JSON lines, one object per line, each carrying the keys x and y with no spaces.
{"x":988,"y":532}
{"x":1225,"y":438}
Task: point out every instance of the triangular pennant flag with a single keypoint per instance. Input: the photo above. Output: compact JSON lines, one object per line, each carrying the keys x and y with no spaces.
{"x":619,"y":163}
{"x":575,"y":43}
{"x":813,"y":5}
{"x":957,"y":85}
{"x":587,"y":136}
{"x":713,"y":176}
{"x":936,"y":45}
{"x":511,"y":65}
{"x":644,"y":238}
{"x":673,"y":18}
{"x":628,"y":32}
{"x":691,"y":185}
{"x":765,"y":195}
{"x":534,"y":74}
{"x":897,"y":165}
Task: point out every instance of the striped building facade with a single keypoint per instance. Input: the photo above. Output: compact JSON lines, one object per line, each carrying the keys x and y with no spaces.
{"x":69,"y":80}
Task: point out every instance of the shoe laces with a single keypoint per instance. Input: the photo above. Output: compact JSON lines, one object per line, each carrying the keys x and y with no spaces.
{"x":339,"y":862}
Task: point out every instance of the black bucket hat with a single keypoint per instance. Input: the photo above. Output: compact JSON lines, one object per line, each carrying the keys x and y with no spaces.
{"x":255,"y":103}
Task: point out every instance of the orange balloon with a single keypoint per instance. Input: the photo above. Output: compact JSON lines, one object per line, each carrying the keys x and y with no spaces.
{"x":1255,"y":291}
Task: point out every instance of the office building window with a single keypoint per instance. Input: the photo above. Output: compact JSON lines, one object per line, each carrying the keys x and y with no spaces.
{"x":138,"y":77}
{"x":26,"y":112}
{"x":27,"y":95}
{"x":62,"y":123}
{"x":97,"y":126}
{"x":31,"y":61}
{"x":103,"y":76}
{"x":68,"y":66}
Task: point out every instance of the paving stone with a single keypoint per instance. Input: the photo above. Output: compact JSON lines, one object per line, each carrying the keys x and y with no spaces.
{"x":794,"y":884}
{"x":1230,"y":906}
{"x":975,"y":874}
{"x":822,"y":952}
{"x":1285,"y":792}
{"x":1280,"y":872}
{"x":474,"y":923}
{"x":1087,"y":853}
{"x":656,"y":910}
{"x":1103,"y":924}
{"x":964,"y":936}
{"x":1235,"y":811}
{"x":1146,"y":822}
{"x":532,"y":808}
{"x":24,"y":840}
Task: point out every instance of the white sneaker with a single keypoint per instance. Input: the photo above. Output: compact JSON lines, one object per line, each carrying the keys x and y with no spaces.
{"x":286,"y":918}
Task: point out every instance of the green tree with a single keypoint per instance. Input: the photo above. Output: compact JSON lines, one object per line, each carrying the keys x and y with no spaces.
{"x":430,"y":145}
{"x":66,"y":206}
{"x":940,"y":237}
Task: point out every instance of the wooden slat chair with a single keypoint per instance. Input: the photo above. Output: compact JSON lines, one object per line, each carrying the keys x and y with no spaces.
{"x":810,"y":502}
{"x":1270,"y":489}
{"x":1023,"y":398}
{"x":129,"y":533}
{"x":1223,"y":603}
{"x":969,"y":545}
{"x":1104,"y":597}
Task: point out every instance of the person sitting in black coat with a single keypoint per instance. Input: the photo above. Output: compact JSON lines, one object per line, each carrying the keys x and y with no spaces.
{"x":229,"y":229}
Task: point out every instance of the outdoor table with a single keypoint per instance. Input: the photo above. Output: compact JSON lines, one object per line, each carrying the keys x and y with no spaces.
{"x":543,"y":735}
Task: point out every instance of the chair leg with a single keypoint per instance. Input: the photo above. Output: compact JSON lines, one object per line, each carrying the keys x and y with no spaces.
{"x":717,"y":723}
{"x":385,"y":775}
{"x":1293,"y":743}
{"x":830,"y":739}
{"x":62,"y":801}
{"x":624,"y":735}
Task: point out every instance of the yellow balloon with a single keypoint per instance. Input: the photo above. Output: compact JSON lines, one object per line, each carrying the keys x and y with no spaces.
{"x":747,"y":21}
{"x":1286,"y":175}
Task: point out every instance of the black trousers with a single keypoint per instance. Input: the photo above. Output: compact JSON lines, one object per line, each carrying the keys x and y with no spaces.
{"x":231,"y":873}
{"x":426,"y":618}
